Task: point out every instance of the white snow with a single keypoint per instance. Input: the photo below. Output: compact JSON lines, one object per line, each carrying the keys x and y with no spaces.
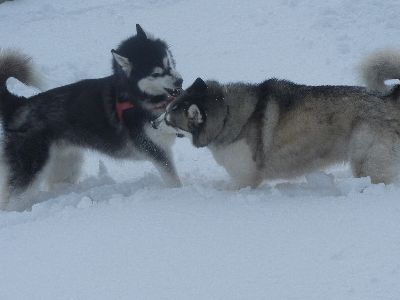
{"x":120,"y":234}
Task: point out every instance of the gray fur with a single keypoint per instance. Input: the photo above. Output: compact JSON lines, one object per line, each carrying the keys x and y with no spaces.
{"x":278,"y":129}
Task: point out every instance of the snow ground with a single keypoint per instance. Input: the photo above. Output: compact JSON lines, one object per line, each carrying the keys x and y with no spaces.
{"x":120,"y":234}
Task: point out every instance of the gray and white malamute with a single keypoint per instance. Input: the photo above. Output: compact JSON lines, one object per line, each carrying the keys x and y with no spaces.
{"x":111,"y":115}
{"x":278,"y":129}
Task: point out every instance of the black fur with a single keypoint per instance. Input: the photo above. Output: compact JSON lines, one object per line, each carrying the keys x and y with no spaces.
{"x":84,"y":114}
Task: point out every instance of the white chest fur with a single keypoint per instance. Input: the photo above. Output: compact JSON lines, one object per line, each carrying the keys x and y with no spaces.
{"x":160,"y":137}
{"x":237,"y":159}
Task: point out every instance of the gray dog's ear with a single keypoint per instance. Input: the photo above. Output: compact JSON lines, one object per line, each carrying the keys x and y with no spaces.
{"x":123,"y":62}
{"x":194,"y":115}
{"x":199,"y":84}
{"x":140,"y":32}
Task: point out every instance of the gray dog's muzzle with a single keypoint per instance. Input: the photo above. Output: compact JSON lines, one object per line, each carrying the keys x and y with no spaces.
{"x":160,"y":124}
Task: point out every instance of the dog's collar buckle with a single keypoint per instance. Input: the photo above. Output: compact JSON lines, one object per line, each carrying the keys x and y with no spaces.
{"x":120,"y":107}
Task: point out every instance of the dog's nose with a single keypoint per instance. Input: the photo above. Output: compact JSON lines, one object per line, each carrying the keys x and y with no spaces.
{"x":178,"y":82}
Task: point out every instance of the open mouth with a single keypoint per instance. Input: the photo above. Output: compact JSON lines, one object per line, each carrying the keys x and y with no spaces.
{"x":174,"y":92}
{"x":162,"y":105}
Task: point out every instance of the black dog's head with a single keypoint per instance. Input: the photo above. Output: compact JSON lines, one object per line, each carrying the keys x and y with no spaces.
{"x":145,"y":69}
{"x":200,"y":110}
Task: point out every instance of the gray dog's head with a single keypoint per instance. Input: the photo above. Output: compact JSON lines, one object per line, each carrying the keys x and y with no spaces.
{"x":200,"y":110}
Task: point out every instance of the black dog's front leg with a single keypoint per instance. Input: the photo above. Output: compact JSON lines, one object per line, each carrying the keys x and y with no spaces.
{"x":161,"y":159}
{"x":135,"y":120}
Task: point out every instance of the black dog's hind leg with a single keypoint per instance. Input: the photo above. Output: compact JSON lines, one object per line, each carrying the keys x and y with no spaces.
{"x":25,"y":157}
{"x":160,"y":158}
{"x":65,"y":164}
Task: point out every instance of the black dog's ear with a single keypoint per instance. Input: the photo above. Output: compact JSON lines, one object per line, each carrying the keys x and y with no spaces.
{"x":123,"y":62}
{"x":140,"y":32}
{"x":198,"y":86}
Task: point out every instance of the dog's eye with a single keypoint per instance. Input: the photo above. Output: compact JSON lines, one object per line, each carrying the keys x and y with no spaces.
{"x":156,"y":75}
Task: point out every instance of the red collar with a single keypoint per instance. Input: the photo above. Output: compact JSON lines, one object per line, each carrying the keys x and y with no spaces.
{"x":120,"y":107}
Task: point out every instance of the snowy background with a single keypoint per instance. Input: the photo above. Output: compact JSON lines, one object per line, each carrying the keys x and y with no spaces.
{"x":120,"y":234}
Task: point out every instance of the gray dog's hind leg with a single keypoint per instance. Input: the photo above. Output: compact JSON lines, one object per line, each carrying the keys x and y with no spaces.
{"x":375,"y":153}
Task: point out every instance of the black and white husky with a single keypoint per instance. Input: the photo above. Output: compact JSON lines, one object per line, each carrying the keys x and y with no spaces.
{"x":45,"y":133}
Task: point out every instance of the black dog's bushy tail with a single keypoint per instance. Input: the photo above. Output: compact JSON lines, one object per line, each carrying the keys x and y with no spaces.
{"x":15,"y":64}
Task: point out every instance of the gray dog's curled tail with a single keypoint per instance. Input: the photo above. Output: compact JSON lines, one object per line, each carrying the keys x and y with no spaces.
{"x":18,"y":65}
{"x":378,"y":67}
